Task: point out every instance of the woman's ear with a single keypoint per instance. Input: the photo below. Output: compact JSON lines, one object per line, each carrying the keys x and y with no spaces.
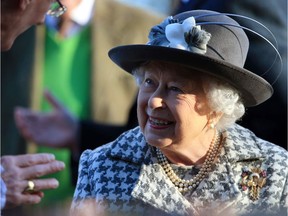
{"x":213,"y":119}
{"x":23,"y":4}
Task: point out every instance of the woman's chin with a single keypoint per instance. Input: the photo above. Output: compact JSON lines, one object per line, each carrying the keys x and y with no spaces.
{"x":157,"y":141}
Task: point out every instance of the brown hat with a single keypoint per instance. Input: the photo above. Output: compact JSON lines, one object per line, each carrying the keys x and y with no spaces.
{"x":207,"y":41}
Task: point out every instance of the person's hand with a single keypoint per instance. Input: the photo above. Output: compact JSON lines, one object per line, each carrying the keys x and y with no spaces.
{"x":20,"y":169}
{"x":55,"y":129}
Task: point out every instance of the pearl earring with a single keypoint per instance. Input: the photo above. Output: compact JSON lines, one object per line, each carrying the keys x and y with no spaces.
{"x":212,"y":125}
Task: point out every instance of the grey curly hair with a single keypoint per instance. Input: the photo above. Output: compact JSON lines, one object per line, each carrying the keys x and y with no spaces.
{"x":221,"y":96}
{"x":225,"y":99}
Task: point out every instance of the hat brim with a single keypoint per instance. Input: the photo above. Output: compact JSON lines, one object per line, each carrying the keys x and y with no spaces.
{"x":253,"y":88}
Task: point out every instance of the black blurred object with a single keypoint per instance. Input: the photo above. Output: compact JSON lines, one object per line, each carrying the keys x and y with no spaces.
{"x":16,"y":71}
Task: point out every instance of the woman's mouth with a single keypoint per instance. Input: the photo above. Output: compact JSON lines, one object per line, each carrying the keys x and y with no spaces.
{"x":159,"y":123}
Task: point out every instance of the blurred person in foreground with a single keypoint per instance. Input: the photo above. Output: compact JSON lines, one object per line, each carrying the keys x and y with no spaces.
{"x":20,"y":182}
{"x":188,"y":156}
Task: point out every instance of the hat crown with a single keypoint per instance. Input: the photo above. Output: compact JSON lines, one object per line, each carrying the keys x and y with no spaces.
{"x":228,"y":41}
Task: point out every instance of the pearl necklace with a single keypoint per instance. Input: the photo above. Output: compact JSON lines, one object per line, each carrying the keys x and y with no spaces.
{"x":184,"y":185}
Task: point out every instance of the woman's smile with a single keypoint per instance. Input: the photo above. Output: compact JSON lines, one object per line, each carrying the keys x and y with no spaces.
{"x":158,"y":123}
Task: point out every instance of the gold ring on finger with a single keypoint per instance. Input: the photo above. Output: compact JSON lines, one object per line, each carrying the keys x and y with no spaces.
{"x":30,"y":187}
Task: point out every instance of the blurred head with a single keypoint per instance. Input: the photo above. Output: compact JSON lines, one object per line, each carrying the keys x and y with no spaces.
{"x":18,"y":15}
{"x":177,"y":104}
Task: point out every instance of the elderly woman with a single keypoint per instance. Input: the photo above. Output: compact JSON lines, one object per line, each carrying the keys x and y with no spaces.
{"x":187,"y":157}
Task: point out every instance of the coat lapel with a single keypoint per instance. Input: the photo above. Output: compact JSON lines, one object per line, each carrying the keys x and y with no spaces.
{"x":220,"y":190}
{"x":154,"y":189}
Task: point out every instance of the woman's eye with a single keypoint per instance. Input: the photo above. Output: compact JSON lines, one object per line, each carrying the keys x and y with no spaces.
{"x":175,"y":89}
{"x":148,"y":81}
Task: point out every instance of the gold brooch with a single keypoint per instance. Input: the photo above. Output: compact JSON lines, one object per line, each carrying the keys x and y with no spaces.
{"x":253,"y":180}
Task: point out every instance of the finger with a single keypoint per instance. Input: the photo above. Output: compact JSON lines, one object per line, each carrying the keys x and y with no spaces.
{"x":45,"y":184}
{"x":39,"y":170}
{"x":30,"y":198}
{"x":52,"y":100}
{"x":21,"y":186}
{"x":27,"y":160}
{"x":39,"y":193}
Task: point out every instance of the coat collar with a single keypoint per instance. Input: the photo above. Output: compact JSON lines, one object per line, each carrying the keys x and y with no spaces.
{"x":222,"y":184}
{"x":240,"y":145}
{"x":130,"y":146}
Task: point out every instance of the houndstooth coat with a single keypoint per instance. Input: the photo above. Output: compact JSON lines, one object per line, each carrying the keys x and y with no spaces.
{"x":124,"y":178}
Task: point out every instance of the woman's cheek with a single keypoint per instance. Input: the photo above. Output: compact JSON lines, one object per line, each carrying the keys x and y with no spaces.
{"x":141,"y":117}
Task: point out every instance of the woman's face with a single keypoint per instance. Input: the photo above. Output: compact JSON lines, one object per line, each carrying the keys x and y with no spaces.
{"x":171,"y":106}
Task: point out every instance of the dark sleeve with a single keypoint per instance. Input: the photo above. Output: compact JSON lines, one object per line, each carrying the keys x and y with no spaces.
{"x":92,"y":135}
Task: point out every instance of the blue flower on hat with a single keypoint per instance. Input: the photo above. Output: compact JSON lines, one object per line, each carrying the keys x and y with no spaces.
{"x":157,"y":34}
{"x":187,"y":36}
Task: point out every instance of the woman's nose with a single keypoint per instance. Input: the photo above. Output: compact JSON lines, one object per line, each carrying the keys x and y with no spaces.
{"x":156,"y":101}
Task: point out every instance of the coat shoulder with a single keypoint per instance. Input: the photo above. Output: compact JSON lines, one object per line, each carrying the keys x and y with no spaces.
{"x":267,"y":148}
{"x":130,"y":146}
